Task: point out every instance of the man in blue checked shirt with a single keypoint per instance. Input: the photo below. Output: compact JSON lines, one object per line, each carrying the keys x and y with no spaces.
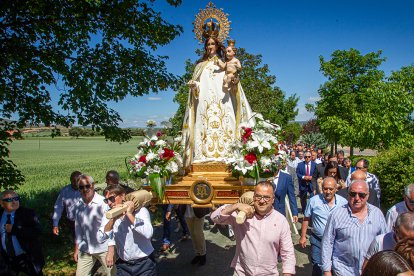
{"x":350,"y":231}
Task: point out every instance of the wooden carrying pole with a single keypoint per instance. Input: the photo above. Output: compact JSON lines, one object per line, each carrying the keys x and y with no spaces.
{"x":140,"y":199}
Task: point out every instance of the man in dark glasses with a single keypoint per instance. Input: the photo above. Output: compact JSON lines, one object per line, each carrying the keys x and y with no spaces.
{"x":351,"y":229}
{"x":304,"y":172}
{"x":407,"y":205}
{"x":88,"y":216}
{"x":20,"y":230}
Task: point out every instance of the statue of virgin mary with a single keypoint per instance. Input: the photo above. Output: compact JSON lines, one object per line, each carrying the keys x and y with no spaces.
{"x":213,"y":114}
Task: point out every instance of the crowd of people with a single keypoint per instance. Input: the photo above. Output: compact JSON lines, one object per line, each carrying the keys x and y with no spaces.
{"x":348,"y":233}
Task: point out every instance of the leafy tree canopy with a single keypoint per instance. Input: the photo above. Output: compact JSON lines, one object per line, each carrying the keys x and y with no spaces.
{"x":359,"y":106}
{"x":91,"y":51}
{"x":258,"y":85}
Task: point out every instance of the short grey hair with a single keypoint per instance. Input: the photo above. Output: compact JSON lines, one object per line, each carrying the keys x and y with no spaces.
{"x":87,"y":178}
{"x":408,"y":189}
{"x":8,"y":192}
{"x":358,"y":181}
{"x":406,"y":221}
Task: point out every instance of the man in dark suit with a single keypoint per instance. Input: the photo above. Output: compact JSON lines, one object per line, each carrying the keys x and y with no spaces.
{"x":317,"y":173}
{"x":283,"y":185}
{"x":305,"y":171}
{"x":20,"y":231}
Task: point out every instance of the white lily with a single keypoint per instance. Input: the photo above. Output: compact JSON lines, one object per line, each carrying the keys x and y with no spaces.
{"x":261,"y":140}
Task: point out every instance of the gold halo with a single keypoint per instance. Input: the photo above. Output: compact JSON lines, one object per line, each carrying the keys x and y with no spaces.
{"x":211,"y":12}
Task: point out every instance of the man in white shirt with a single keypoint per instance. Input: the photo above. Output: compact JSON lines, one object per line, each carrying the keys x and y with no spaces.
{"x":132,"y":233}
{"x":403,"y":229}
{"x":90,"y":210}
{"x":67,"y":199}
{"x":407,"y":205}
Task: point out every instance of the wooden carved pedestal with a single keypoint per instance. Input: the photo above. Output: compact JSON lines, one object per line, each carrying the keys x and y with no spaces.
{"x":206,"y":185}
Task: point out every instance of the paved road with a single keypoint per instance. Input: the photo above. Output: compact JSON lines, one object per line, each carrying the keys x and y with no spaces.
{"x":220,"y":251}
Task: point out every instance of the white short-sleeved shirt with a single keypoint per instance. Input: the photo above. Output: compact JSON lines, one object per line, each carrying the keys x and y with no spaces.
{"x":393,"y":213}
{"x":380,"y":243}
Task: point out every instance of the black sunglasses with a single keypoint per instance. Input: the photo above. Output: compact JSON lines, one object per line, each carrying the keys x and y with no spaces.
{"x":308,"y":156}
{"x":111,"y":199}
{"x":11,"y":199}
{"x":361,"y":195}
{"x":87,"y":187}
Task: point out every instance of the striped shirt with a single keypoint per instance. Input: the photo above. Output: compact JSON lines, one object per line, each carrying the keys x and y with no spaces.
{"x":372,"y":181}
{"x":346,"y":240}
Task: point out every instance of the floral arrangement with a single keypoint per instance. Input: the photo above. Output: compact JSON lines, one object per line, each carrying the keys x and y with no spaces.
{"x":257,"y":154}
{"x":156,"y":158}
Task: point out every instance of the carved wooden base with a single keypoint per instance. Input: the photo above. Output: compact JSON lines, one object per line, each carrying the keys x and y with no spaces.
{"x":206,"y":185}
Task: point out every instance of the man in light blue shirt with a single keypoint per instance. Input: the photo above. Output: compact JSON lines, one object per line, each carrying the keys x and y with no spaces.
{"x":318,"y":210}
{"x":349,"y":232}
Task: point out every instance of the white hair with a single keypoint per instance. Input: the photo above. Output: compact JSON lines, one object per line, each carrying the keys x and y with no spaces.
{"x":408,"y":189}
{"x":358,"y":181}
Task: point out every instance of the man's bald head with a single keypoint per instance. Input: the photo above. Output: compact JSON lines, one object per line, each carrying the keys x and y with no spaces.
{"x":358,"y":175}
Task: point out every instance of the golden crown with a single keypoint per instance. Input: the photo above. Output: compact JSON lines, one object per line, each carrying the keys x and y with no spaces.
{"x":205,"y":27}
{"x":230,"y":43}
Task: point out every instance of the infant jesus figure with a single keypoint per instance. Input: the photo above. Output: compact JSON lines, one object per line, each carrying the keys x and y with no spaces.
{"x":231,"y":66}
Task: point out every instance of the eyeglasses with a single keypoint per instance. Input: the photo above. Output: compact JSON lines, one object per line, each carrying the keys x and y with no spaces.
{"x":87,"y":187}
{"x":260,"y":197}
{"x":111,"y":199}
{"x":11,"y":199}
{"x":360,"y":168}
{"x":354,"y":194}
{"x":308,"y":156}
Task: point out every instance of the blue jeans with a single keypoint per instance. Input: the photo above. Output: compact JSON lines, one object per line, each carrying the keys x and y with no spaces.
{"x":316,"y":254}
{"x":166,"y":235}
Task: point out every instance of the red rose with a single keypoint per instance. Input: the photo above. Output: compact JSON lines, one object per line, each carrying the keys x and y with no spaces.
{"x":159,"y":134}
{"x":152,"y":143}
{"x":250,"y":157}
{"x":143,"y":159}
{"x":168,"y":153}
{"x":247,"y":134}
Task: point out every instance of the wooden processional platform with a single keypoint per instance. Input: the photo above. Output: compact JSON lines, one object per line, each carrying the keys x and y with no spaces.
{"x":206,"y":185}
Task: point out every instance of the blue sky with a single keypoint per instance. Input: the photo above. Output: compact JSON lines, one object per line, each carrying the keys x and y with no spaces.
{"x":290,"y":36}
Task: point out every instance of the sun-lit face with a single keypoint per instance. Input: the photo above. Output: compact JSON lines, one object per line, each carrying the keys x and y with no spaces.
{"x":301,"y":155}
{"x":358,"y":196}
{"x":329,"y":189}
{"x":332,"y":172}
{"x":86,"y":190}
{"x":230,"y":52}
{"x":409,"y":201}
{"x":113,"y":200}
{"x":292,"y":155}
{"x":314,"y":155}
{"x":263,"y":199}
{"x":10,"y":202}
{"x":211,"y":47}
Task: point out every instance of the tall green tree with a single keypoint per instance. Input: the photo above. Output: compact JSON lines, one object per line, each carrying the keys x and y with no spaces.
{"x":90,"y":52}
{"x":359,"y":107}
{"x":258,"y":85}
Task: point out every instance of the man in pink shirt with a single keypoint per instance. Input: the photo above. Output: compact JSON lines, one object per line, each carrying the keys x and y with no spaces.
{"x":262,"y":237}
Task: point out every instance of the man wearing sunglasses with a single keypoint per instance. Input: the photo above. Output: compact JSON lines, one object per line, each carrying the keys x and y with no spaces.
{"x":263,"y":237}
{"x":20,"y":230}
{"x":407,"y":205}
{"x":304,"y":172}
{"x":132,"y":233}
{"x":350,"y":231}
{"x":90,"y":210}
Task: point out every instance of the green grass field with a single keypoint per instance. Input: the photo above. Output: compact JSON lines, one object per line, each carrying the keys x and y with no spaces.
{"x":47,"y":164}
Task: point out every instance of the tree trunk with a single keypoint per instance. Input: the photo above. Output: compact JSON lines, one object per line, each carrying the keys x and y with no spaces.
{"x":336,"y":147}
{"x":332,"y":148}
{"x":351,"y":151}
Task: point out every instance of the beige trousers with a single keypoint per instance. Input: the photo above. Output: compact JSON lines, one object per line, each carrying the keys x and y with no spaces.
{"x":86,"y":262}
{"x":196,"y":227}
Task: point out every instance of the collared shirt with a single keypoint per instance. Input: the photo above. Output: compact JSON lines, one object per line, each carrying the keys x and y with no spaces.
{"x":380,"y":243}
{"x":259,"y":242}
{"x":276,"y":181}
{"x":88,"y":218}
{"x":18,"y":250}
{"x":393,"y":212}
{"x":133,"y":241}
{"x":372,"y":181}
{"x":346,"y":240}
{"x":67,"y":199}
{"x":293,"y":163}
{"x":318,"y":210}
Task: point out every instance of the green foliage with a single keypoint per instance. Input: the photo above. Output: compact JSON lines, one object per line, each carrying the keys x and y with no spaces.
{"x":291,"y":133}
{"x":10,"y":176}
{"x":258,"y":85}
{"x":92,"y":52}
{"x":317,"y":139}
{"x":394,"y":169}
{"x":359,"y":107}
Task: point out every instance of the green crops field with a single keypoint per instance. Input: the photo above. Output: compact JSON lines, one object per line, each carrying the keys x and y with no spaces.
{"x":47,"y":164}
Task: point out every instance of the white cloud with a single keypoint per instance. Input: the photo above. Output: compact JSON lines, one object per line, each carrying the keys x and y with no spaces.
{"x":154,"y":98}
{"x":303,"y":115}
{"x":313,"y":99}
